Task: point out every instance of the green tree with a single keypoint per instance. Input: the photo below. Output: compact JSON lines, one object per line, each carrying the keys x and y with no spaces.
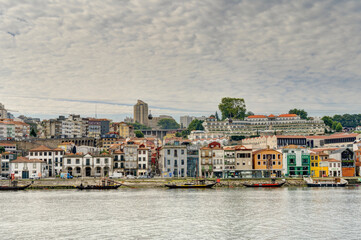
{"x":232,"y":107}
{"x":216,"y":115}
{"x":195,"y":125}
{"x":33,"y":132}
{"x":138,"y":126}
{"x":138,"y":134}
{"x":334,"y":125}
{"x":338,"y":127}
{"x":2,"y":149}
{"x":178,"y":134}
{"x":249,"y":113}
{"x":300,"y":112}
{"x":168,"y":123}
{"x":328,"y":121}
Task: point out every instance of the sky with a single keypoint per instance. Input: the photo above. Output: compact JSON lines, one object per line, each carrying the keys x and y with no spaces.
{"x":181,"y":57}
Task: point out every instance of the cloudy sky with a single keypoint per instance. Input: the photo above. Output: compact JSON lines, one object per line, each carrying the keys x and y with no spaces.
{"x":181,"y":57}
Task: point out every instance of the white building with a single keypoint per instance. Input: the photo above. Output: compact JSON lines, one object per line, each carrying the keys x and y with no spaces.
{"x":143,"y":160}
{"x":25,"y":168}
{"x":72,"y":127}
{"x":174,"y":160}
{"x":131,"y":158}
{"x":287,"y":124}
{"x":88,"y":165}
{"x":9,"y":147}
{"x":7,"y":131}
{"x":53,"y":159}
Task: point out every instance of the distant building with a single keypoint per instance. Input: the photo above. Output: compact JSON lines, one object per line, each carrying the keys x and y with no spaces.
{"x":88,"y":165}
{"x":141,"y":112}
{"x":3,"y":111}
{"x":186,"y":120}
{"x":97,"y":127}
{"x":153,"y":123}
{"x":284,"y":124}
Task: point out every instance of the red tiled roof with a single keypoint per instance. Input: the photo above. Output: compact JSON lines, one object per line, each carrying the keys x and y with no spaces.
{"x":40,"y":148}
{"x":7,"y":144}
{"x":26,"y":160}
{"x":290,"y":136}
{"x":287,"y":115}
{"x":257,"y":116}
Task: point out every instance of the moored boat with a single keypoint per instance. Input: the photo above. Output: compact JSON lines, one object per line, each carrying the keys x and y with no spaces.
{"x":264,"y":184}
{"x":105,"y":185}
{"x":14,"y":188}
{"x":197,"y":184}
{"x":337,"y":182}
{"x":98,"y":187}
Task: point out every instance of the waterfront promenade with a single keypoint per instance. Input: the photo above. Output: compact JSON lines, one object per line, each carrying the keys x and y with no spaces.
{"x":151,"y":183}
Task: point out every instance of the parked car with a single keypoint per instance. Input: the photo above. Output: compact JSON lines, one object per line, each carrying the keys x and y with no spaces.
{"x":116,"y":175}
{"x":34,"y":176}
{"x":130,"y":177}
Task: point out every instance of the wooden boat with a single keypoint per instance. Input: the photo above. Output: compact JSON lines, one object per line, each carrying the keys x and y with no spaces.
{"x":106,"y":184}
{"x":197,"y":184}
{"x":14,"y":188}
{"x":264,"y":184}
{"x":337,"y":182}
{"x":98,"y":187}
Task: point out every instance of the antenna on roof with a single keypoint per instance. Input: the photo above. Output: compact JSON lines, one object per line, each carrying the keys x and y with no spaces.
{"x":96,"y":115}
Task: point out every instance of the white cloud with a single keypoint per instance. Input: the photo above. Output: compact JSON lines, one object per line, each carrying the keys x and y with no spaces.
{"x":180,"y":54}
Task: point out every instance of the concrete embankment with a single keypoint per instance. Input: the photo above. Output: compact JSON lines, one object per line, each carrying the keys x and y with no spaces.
{"x":143,"y":183}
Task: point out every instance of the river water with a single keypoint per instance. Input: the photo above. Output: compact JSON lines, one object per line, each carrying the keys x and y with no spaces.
{"x":284,"y":213}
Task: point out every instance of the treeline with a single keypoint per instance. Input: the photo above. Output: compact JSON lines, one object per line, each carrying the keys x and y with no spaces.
{"x":345,"y":120}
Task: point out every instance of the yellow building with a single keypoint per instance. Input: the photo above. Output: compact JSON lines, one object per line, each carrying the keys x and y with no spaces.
{"x":125,"y":130}
{"x":319,"y":167}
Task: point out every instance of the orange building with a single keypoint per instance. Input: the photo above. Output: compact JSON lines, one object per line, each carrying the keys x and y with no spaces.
{"x":267,"y":160}
{"x":358,"y":162}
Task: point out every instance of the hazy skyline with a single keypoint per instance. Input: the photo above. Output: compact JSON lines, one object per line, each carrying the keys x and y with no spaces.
{"x":181,"y":57}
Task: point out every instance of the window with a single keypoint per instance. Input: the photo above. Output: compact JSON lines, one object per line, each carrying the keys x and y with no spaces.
{"x":279,"y":162}
{"x":144,"y":159}
{"x":98,"y":160}
{"x":264,"y":162}
{"x":168,"y":163}
{"x":69,"y":161}
{"x":45,"y":154}
{"x":258,"y":157}
{"x":182,"y":151}
{"x":139,"y":159}
{"x":312,"y":164}
{"x":168,"y":152}
{"x":244,"y":163}
{"x":259,"y":163}
{"x":292,"y":161}
{"x":56,"y":159}
{"x":175,"y":163}
{"x":274,"y":162}
{"x":182,"y":162}
{"x":106,"y":160}
{"x":175,"y":153}
{"x":77,"y":161}
{"x":87,"y":161}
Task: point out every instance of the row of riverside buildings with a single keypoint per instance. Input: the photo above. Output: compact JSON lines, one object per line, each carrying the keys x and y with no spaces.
{"x":177,"y":157}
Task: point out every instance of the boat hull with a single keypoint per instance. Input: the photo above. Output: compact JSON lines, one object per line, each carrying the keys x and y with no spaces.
{"x":98,"y":187}
{"x":326,"y":184}
{"x":269,"y":185}
{"x":191,"y":186}
{"x":10,"y":188}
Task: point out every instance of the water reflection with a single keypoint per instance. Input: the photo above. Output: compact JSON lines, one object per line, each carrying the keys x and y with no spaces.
{"x":283,"y":213}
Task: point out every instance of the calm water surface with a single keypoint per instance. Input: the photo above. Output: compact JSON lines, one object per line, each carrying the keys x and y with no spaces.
{"x":285,"y":213}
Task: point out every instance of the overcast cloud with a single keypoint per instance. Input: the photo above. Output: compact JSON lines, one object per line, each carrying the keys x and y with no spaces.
{"x":60,"y":57}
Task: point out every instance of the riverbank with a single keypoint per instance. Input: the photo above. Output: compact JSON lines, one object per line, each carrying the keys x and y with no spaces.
{"x":152,"y":183}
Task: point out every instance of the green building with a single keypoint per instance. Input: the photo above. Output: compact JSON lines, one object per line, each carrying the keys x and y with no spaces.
{"x":296,"y":161}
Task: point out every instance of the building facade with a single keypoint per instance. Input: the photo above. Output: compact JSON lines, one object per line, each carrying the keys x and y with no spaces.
{"x":296,"y":161}
{"x":141,"y":112}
